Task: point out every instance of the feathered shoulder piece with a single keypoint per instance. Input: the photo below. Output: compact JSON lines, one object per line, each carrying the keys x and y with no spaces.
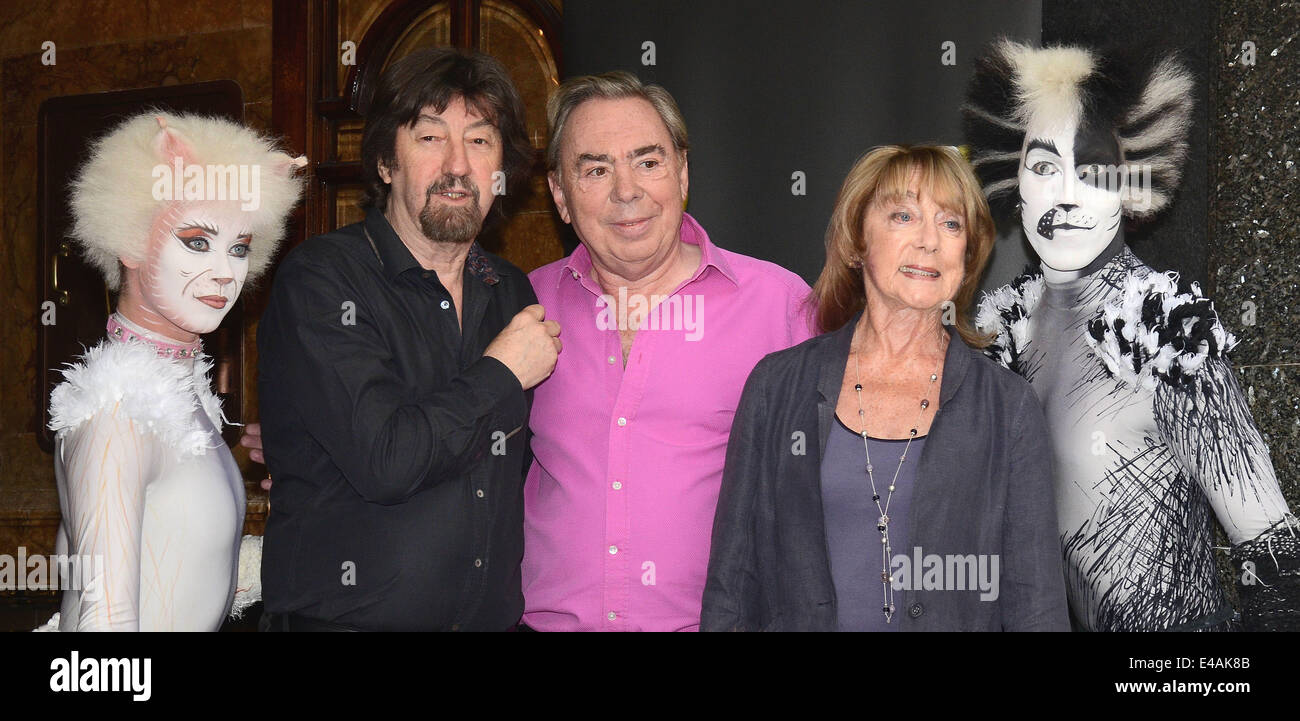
{"x":155,"y":392}
{"x":1005,"y":312}
{"x":1152,"y":331}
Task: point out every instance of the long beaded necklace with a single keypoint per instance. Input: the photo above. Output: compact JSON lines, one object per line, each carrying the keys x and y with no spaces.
{"x":882,"y":523}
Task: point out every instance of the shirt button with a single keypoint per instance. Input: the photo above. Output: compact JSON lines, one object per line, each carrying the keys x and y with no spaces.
{"x":613,"y":550}
{"x":425,"y":274}
{"x":618,"y":485}
{"x":611,"y":360}
{"x":445,"y":304}
{"x":916,"y":610}
{"x":622,"y":421}
{"x":612,"y":616}
{"x":479,"y":493}
{"x":478,"y":563}
{"x":575,"y":274}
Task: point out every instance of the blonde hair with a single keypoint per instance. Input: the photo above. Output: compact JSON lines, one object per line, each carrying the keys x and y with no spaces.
{"x":113,"y":201}
{"x":883,"y":174}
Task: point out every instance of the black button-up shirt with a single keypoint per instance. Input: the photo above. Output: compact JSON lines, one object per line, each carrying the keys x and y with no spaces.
{"x":397,"y":448}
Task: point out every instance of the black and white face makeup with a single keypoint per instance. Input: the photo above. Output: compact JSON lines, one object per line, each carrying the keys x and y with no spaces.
{"x":1071,"y":193}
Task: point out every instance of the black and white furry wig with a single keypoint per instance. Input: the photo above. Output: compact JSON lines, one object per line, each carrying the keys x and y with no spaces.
{"x":113,"y":200}
{"x":1147,"y":103}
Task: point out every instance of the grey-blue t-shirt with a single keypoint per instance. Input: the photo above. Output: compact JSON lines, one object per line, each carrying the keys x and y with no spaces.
{"x":852,"y":536}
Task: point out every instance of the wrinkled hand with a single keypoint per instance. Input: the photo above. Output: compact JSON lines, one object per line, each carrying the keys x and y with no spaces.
{"x":252,"y":440}
{"x":528,"y":346}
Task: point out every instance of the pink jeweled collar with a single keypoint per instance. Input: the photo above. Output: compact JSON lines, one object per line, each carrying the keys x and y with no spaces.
{"x":120,"y":328}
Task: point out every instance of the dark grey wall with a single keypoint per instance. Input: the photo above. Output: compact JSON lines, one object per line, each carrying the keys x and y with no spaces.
{"x":770,"y":89}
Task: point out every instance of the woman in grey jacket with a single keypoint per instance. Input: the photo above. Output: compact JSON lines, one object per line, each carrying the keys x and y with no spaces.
{"x":887,"y":476}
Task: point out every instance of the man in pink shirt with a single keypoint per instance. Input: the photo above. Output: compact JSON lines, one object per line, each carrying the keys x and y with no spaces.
{"x":661,"y":329}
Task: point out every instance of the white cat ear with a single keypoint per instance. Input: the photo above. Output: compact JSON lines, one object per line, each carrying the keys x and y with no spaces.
{"x":287,"y":165}
{"x":169,"y":145}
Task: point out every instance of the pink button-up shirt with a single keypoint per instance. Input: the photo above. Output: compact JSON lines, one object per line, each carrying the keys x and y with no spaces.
{"x":619,"y":501}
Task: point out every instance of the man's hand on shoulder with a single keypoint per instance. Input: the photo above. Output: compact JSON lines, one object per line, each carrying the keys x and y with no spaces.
{"x":252,"y":440}
{"x":528,"y":346}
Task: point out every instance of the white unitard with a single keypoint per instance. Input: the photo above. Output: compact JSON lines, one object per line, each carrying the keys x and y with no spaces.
{"x":150,"y":496}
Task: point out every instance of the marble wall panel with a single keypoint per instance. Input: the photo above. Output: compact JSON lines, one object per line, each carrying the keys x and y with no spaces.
{"x":1254,"y":214}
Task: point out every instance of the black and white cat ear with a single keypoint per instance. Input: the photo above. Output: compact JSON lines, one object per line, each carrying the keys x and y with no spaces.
{"x":1153,"y":137}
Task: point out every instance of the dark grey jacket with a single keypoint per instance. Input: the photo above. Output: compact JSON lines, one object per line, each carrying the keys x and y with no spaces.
{"x":984,"y":486}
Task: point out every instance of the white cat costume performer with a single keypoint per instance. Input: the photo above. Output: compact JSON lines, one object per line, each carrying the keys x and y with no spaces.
{"x":1152,"y":435}
{"x":146,"y":486}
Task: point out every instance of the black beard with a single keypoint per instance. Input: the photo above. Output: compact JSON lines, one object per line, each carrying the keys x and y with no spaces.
{"x":451,"y":225}
{"x":443,"y":224}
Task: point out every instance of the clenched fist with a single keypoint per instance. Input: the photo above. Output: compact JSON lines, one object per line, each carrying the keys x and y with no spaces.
{"x":528,"y":346}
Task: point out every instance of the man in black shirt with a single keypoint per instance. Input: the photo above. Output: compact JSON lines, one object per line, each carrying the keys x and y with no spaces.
{"x":394,"y":357}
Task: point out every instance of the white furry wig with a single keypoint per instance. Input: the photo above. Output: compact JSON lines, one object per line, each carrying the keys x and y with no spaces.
{"x":1147,"y":102}
{"x":113,"y":199}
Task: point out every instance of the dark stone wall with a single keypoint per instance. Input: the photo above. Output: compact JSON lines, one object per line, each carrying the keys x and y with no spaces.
{"x":1254,"y":255}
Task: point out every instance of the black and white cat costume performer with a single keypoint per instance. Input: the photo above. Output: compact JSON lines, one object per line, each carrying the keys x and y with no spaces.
{"x":1152,"y":436}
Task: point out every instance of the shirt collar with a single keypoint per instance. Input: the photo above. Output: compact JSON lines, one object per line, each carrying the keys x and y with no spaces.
{"x":396,"y":258}
{"x":578,"y":264}
{"x":481,"y":266}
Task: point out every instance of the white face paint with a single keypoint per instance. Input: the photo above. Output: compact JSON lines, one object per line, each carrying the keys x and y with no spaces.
{"x":1070,"y":210}
{"x":197,"y":263}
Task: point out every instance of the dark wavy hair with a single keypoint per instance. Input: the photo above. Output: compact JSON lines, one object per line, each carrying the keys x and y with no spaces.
{"x":434,"y":78}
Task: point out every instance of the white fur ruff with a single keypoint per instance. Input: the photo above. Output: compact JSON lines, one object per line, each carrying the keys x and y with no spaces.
{"x":1005,"y":312}
{"x":1159,"y":359}
{"x":154,"y":392}
{"x":997,"y":307}
{"x":248,"y":588}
